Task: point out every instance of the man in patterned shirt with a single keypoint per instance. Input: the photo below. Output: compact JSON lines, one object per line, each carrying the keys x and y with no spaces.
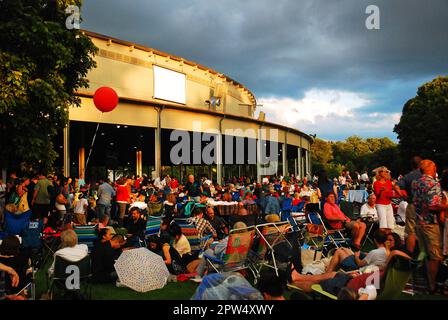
{"x":203,"y":226}
{"x":428,"y":203}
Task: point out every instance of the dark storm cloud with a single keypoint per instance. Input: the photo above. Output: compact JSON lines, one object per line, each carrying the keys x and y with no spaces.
{"x":283,"y":48}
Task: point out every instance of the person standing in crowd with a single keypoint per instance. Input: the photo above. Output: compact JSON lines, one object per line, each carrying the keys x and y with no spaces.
{"x":364,"y":179}
{"x":31,"y":186}
{"x":105,"y":195}
{"x":444,"y":214}
{"x":428,"y":204}
{"x":41,"y":198}
{"x":11,"y":184}
{"x":342,"y":179}
{"x":80,"y":209}
{"x":272,"y":205}
{"x":326,"y":186}
{"x":22,"y":192}
{"x":405,"y":183}
{"x":123,"y":198}
{"x":383,"y":191}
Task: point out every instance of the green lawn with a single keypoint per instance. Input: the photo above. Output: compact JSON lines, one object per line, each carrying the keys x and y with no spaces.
{"x":172,"y":291}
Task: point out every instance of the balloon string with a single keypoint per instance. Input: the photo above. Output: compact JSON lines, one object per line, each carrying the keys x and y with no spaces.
{"x":91,"y":146}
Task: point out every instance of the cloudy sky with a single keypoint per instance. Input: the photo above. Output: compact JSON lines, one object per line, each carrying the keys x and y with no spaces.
{"x":312,"y":64}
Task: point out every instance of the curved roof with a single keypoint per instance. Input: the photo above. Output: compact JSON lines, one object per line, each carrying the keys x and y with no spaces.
{"x":175,"y":58}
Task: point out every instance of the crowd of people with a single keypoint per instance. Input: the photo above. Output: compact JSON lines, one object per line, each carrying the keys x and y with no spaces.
{"x":60,"y":203}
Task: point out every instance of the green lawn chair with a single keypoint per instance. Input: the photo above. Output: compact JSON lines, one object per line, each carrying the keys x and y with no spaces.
{"x":394,"y":281}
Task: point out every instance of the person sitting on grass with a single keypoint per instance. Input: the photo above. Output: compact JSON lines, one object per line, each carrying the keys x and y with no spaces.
{"x":70,"y":249}
{"x":104,"y":253}
{"x":217,"y":251}
{"x":170,"y":256}
{"x":203,"y":226}
{"x":169,"y":207}
{"x":347,"y":261}
{"x":181,"y":244}
{"x":164,"y":233}
{"x":338,"y":220}
{"x":11,"y":256}
{"x":13,"y":280}
{"x":271,"y":286}
{"x":217,"y":223}
{"x":136,"y":227}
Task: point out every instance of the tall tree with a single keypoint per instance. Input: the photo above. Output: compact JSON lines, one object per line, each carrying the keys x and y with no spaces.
{"x":423,"y":125}
{"x":321,"y":154}
{"x":355,"y":153}
{"x":42,"y":64}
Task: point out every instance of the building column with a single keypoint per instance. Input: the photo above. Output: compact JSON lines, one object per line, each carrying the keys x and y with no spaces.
{"x":284,"y":160}
{"x":81,"y":160}
{"x":66,"y":137}
{"x":259,"y":142}
{"x":219,"y":158}
{"x":295,"y":167}
{"x":138,"y":163}
{"x":157,"y":144}
{"x":307,"y":163}
{"x":299,"y":154}
{"x":285,"y":156}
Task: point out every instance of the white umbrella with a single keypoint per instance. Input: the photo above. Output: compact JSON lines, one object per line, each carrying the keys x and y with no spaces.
{"x":141,"y":270}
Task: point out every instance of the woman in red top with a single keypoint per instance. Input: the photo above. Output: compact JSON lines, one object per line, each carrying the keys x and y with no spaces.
{"x":382,"y":188}
{"x":123,"y":198}
{"x":338,"y":220}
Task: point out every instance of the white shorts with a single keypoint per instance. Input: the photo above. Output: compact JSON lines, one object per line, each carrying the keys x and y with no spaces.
{"x":386,"y":216}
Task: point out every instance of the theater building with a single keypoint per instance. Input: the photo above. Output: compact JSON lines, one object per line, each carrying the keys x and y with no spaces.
{"x":159,"y":93}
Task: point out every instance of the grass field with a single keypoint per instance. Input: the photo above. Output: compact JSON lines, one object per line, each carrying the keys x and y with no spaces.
{"x":172,"y":291}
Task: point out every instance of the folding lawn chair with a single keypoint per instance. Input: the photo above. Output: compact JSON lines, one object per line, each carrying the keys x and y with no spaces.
{"x":190,"y":231}
{"x":32,"y":242}
{"x":60,"y":275}
{"x":371,"y":227}
{"x":86,"y":235}
{"x":152,"y":226}
{"x":16,"y":223}
{"x":236,"y":256}
{"x":51,"y":240}
{"x":395,"y":278}
{"x":269,"y":236}
{"x":329,"y":237}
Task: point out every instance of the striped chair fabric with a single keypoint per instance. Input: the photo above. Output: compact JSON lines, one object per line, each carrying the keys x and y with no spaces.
{"x":152,"y":226}
{"x":86,"y":235}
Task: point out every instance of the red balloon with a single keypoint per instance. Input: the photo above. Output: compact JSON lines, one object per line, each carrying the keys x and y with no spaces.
{"x":105,"y":99}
